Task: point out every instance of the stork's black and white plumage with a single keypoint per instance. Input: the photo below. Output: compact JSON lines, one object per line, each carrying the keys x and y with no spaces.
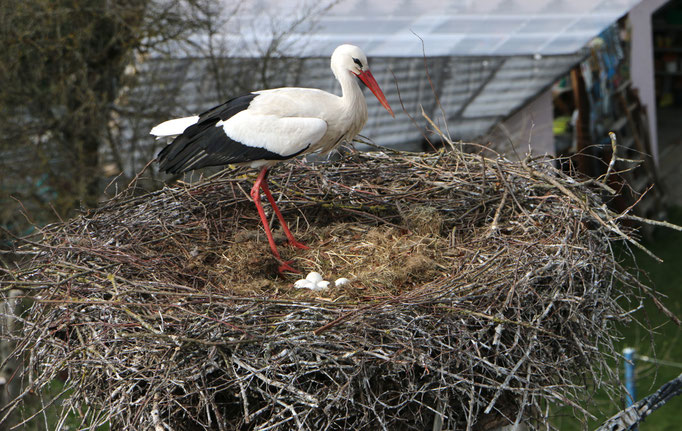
{"x":265,"y":127}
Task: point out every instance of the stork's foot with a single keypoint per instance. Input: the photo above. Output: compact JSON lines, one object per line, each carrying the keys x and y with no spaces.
{"x":294,"y":243}
{"x":285,"y":267}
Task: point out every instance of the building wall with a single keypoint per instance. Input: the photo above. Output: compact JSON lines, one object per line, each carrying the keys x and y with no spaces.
{"x":527,"y":131}
{"x":642,"y":63}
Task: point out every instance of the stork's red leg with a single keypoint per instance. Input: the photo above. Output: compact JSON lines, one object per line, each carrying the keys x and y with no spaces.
{"x":255,"y":195}
{"x":287,"y":232}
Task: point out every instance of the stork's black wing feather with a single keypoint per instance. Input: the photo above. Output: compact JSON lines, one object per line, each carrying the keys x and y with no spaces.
{"x":203,"y":144}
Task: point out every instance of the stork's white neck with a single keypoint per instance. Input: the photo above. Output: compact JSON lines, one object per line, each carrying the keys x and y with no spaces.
{"x":353,"y":100}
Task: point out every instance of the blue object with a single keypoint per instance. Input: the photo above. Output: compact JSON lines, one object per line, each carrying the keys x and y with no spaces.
{"x":629,"y":354}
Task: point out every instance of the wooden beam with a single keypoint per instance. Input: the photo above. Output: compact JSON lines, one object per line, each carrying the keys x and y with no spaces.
{"x":582,"y":125}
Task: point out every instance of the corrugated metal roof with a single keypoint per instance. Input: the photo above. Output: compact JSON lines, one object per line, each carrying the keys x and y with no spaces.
{"x":388,"y":28}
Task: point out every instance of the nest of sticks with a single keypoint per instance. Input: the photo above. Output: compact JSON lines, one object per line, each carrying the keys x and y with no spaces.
{"x":481,"y":292}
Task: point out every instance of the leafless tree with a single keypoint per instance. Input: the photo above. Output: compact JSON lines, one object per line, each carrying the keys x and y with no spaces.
{"x":63,"y":65}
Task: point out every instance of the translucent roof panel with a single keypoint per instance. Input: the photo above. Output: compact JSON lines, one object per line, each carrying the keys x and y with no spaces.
{"x":392,"y":28}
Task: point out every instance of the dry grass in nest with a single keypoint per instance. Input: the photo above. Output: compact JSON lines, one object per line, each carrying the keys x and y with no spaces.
{"x":482,"y":290}
{"x":379,"y":261}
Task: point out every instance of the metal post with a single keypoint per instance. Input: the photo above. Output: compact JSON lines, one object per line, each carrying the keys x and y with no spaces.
{"x":629,"y":354}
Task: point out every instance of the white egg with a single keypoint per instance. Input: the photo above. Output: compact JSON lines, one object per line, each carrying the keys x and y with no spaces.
{"x":304,"y":284}
{"x":341,"y":281}
{"x":315,"y":277}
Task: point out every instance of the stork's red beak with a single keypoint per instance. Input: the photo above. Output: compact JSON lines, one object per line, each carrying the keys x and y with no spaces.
{"x":371,"y":83}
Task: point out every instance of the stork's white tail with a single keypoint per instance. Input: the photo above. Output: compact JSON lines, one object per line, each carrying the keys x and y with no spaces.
{"x":173,"y":127}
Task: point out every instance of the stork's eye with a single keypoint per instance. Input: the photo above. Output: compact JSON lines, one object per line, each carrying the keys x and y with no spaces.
{"x":358,"y":62}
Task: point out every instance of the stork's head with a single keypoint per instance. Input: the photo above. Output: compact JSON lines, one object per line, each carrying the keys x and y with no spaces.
{"x":351,"y":58}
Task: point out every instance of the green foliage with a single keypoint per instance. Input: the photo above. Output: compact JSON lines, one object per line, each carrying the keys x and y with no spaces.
{"x":50,"y":418}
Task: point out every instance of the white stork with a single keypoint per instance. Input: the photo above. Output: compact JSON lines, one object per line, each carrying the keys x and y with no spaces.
{"x":262,"y":128}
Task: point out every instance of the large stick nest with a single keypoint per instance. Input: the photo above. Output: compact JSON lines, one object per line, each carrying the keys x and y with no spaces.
{"x":481,"y":291}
